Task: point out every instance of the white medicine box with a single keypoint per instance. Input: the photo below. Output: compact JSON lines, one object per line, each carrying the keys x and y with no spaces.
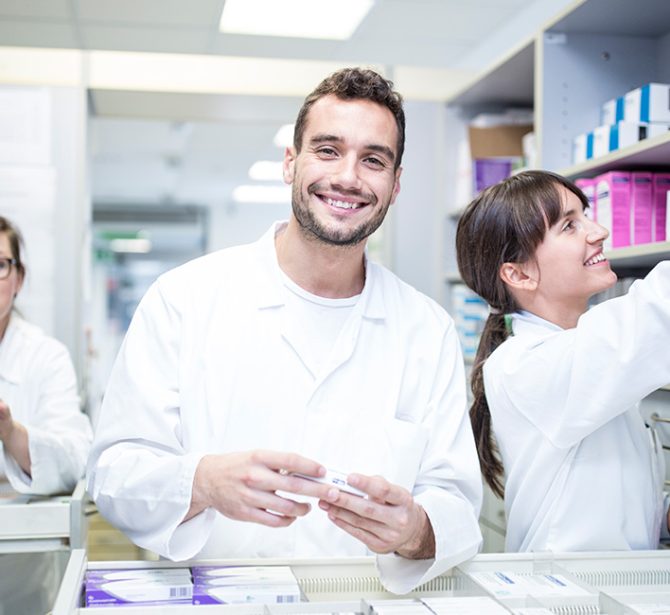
{"x":649,"y":103}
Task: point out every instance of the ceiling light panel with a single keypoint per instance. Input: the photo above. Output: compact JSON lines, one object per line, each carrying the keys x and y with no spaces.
{"x":320,"y":19}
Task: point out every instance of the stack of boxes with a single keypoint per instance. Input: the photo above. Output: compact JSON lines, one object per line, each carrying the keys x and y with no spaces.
{"x":640,"y":114}
{"x":138,"y":587}
{"x":632,"y":205}
{"x":496,"y":146}
{"x":470,"y":312}
{"x":244,"y":584}
{"x":196,"y":585}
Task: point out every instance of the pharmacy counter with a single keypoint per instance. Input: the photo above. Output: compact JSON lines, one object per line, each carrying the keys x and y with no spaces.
{"x":575,"y":583}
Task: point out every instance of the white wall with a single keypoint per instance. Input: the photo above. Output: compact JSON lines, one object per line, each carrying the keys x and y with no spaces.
{"x":418,"y":212}
{"x":43,"y":169}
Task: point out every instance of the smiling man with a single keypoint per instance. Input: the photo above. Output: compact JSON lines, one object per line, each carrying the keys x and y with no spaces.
{"x":249,"y":375}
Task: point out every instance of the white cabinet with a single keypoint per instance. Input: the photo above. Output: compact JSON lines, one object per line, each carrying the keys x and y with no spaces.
{"x":603,"y":583}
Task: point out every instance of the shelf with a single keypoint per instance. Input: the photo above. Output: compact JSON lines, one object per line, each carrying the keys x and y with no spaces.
{"x":615,"y":17}
{"x":654,"y":152}
{"x":646,"y":255}
{"x":509,"y":82}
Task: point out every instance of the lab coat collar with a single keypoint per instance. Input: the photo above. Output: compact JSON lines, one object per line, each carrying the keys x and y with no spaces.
{"x":9,"y":363}
{"x":271,"y":293}
{"x":527,"y":322}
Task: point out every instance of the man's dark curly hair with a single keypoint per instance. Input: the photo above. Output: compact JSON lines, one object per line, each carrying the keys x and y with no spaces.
{"x":356,"y":84}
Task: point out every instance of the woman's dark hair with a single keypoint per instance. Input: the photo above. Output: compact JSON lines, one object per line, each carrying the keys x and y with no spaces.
{"x":15,"y":242}
{"x":504,"y":224}
{"x":356,"y":84}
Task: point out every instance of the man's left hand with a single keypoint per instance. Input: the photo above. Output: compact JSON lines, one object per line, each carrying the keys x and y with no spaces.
{"x":388,"y":520}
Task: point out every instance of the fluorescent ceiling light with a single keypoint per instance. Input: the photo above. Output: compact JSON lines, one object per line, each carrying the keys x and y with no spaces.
{"x":265,"y":170}
{"x":262,"y":194}
{"x":284,"y":136}
{"x":336,"y":19}
{"x":133,"y":246}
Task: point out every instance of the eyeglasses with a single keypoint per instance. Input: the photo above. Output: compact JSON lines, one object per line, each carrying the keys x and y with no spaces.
{"x":6,"y":267}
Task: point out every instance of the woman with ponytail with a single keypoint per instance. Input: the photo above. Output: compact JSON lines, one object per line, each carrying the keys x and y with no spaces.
{"x":556,"y":385}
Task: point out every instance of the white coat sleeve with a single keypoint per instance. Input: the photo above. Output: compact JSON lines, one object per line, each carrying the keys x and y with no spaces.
{"x":59,"y":434}
{"x":139,"y":473}
{"x":571,"y":382}
{"x":449,"y":485}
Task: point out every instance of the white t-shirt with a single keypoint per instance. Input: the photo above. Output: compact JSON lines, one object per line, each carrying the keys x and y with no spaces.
{"x":317,"y":322}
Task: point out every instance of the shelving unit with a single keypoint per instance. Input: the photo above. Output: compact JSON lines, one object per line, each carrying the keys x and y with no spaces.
{"x":30,"y":524}
{"x":591,"y":52}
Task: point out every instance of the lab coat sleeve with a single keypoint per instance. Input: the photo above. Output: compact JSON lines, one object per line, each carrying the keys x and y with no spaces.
{"x":569,"y":383}
{"x":139,"y":473}
{"x":59,"y":434}
{"x":449,"y":485}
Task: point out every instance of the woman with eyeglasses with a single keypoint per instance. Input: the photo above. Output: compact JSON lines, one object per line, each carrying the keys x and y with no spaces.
{"x":44,"y":437}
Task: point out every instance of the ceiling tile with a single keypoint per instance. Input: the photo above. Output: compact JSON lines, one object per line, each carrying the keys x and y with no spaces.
{"x":201,"y":13}
{"x":164,"y":40}
{"x":23,"y":33}
{"x":40,"y":9}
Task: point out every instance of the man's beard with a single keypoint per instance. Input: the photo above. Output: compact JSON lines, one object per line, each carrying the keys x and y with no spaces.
{"x":313,"y":229}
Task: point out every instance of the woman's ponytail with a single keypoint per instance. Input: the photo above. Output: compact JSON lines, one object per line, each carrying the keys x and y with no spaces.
{"x":493,"y":335}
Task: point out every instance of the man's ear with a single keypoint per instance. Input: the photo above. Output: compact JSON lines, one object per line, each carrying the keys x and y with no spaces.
{"x":519,"y":276}
{"x":288,"y":166}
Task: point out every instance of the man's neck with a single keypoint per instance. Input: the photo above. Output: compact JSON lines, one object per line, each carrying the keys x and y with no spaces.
{"x":324,"y":270}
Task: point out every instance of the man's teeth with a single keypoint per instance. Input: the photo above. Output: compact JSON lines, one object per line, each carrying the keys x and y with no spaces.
{"x":343,"y":204}
{"x":598,"y":258}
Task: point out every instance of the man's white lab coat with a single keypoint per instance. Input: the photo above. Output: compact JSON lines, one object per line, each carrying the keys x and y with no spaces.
{"x":208,"y":366}
{"x":38,"y":383}
{"x":583,"y":471}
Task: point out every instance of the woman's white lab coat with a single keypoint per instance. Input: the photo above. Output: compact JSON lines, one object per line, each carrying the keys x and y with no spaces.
{"x":583,"y":471}
{"x":38,"y":383}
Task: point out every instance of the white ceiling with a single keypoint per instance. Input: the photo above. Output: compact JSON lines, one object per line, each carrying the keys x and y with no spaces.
{"x":194,"y":148}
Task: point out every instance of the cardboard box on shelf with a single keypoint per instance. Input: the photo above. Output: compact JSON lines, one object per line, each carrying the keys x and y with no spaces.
{"x":497,"y":141}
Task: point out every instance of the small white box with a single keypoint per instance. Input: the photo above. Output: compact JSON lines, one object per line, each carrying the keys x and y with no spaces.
{"x":649,"y":103}
{"x":582,"y":147}
{"x":611,"y":111}
{"x":611,"y":137}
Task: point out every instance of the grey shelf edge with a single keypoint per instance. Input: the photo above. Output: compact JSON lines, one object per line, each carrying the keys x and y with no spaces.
{"x":453,"y":278}
{"x":652,"y":152}
{"x":646,"y":255}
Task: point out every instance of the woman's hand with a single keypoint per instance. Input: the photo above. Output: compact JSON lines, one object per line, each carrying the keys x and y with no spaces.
{"x":14,"y":437}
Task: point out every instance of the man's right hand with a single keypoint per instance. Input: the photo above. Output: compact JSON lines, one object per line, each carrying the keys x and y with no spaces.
{"x":243,"y":486}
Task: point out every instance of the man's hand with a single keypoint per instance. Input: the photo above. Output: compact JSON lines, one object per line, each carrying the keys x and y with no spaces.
{"x":243,"y":486}
{"x":14,"y":438}
{"x":388,"y":520}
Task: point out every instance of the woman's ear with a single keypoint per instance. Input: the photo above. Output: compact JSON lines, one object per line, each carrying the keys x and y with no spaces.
{"x":520,"y":277}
